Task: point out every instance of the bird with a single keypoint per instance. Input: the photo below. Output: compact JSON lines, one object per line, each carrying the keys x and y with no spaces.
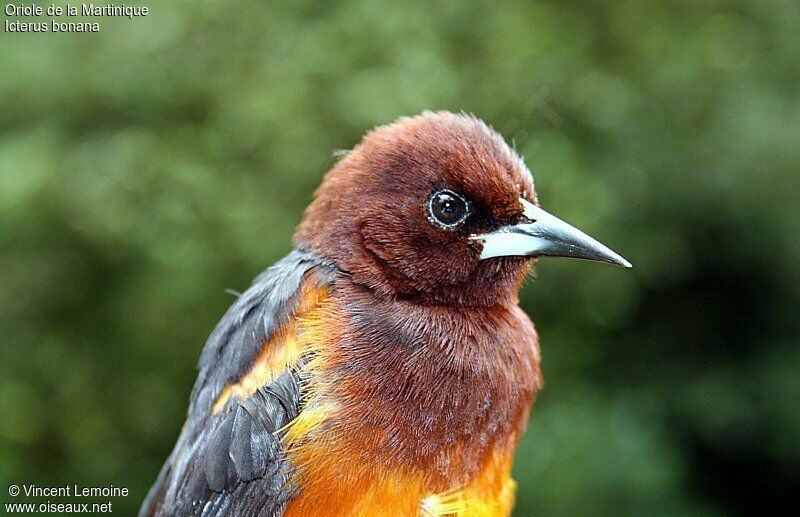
{"x":384,"y":366}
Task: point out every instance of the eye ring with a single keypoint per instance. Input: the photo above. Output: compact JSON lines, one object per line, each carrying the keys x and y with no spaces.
{"x":447,"y":209}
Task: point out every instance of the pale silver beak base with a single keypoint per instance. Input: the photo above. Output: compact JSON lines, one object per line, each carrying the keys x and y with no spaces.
{"x":544,"y":236}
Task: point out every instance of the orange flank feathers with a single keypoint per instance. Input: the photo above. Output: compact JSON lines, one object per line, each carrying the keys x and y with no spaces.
{"x":279,"y":354}
{"x":344,"y":486}
{"x":355,"y":491}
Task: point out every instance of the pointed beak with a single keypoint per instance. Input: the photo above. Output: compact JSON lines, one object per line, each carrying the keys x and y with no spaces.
{"x":544,"y":236}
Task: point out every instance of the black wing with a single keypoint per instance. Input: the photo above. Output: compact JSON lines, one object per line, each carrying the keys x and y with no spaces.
{"x":231,"y":462}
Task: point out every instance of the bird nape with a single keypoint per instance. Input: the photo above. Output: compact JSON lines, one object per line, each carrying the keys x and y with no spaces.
{"x":384,"y":366}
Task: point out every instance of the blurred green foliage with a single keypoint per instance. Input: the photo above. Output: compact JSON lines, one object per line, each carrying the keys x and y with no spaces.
{"x":146,"y":168}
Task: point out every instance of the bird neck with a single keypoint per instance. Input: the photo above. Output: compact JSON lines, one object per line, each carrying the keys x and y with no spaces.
{"x":426,"y":381}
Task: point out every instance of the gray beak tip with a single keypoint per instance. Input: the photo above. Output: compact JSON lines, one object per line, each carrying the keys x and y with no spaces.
{"x":624,"y":263}
{"x":613,"y":258}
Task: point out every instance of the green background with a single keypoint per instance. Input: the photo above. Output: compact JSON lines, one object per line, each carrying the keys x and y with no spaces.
{"x":147,"y":168}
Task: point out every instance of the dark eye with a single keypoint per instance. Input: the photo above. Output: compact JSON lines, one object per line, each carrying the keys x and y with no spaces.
{"x":448,"y":208}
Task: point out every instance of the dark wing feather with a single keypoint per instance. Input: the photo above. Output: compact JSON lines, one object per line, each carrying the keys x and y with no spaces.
{"x":231,"y":462}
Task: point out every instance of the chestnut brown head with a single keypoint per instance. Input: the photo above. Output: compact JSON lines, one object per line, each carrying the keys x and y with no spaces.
{"x":439,"y":209}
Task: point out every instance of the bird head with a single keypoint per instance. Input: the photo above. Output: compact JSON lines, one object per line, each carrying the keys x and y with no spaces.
{"x":439,"y":209}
